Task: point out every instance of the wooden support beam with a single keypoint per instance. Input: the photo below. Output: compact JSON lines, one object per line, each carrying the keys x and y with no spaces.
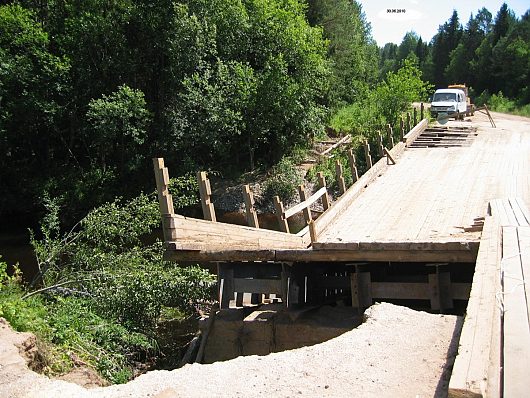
{"x":225,"y":277}
{"x":306,"y":210}
{"x":343,"y":140}
{"x":304,"y":204}
{"x":415,"y":118}
{"x":353,"y":166}
{"x":409,"y":127}
{"x":205,"y":191}
{"x":282,"y":221}
{"x":422,"y":111}
{"x":361,"y":289}
{"x":402,"y":128}
{"x":340,"y":177}
{"x":252,"y":217}
{"x":325,"y":196}
{"x":389,"y":159}
{"x":369,"y":163}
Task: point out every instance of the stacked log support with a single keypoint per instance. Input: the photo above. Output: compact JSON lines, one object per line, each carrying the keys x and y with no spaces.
{"x":205,"y":191}
{"x":282,"y":221}
{"x":252,"y":217}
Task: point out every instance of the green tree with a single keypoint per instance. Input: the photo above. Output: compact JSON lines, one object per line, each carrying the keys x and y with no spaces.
{"x":33,"y":89}
{"x":351,"y":47}
{"x":445,"y":41}
{"x":117,"y":125}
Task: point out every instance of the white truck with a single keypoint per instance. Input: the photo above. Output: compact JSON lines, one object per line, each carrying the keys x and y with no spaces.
{"x":450,"y":102}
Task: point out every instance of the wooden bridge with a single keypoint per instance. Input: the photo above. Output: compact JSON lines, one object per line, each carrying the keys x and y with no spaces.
{"x":441,"y":218}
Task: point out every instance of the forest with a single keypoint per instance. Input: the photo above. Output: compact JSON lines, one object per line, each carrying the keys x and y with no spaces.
{"x":92,"y":90}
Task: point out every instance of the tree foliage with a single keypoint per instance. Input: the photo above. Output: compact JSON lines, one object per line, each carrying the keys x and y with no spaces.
{"x":92,"y":90}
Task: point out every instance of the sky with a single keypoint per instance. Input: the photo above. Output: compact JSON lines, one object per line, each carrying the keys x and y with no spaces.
{"x":424,"y":16}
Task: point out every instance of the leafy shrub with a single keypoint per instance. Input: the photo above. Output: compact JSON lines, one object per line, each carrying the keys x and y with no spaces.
{"x":110,"y":265}
{"x":383,"y":105}
{"x":283,"y":181}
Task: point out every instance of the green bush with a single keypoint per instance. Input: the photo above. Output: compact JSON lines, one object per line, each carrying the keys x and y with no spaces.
{"x":499,"y":103}
{"x":283,"y":181}
{"x":384,"y":104}
{"x":110,"y":265}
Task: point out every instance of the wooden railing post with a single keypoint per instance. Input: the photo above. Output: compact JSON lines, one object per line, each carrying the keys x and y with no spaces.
{"x":165,"y":200}
{"x":408,"y":122}
{"x":422,"y":111}
{"x":307,"y":210}
{"x":252,"y":217}
{"x":353,"y":166}
{"x":390,"y":136}
{"x":369,"y":163}
{"x":284,"y":226}
{"x":380,"y":144}
{"x":402,"y":128}
{"x":205,"y":191}
{"x":322,"y":184}
{"x":415,"y":116}
{"x":340,"y":177}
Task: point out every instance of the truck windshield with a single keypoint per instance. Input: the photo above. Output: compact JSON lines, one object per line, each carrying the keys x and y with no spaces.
{"x":444,"y":97}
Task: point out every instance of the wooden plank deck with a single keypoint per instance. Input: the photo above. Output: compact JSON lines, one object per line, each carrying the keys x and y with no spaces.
{"x":433,"y":194}
{"x":494,"y":349}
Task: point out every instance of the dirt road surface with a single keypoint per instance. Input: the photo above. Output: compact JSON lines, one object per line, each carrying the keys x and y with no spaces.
{"x":397,"y":352}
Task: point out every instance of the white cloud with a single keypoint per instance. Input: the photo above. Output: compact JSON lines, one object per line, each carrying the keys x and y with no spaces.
{"x":394,"y":14}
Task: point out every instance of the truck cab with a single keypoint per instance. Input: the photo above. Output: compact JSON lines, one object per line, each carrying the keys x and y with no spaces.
{"x":449,"y":101}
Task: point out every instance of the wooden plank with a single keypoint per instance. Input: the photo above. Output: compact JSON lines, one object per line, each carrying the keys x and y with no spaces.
{"x":524,"y":245}
{"x":415,"y":132}
{"x":194,"y":224}
{"x":355,"y":190}
{"x":219,"y":255}
{"x":260,"y":286}
{"x":394,"y":246}
{"x":471,"y":374}
{"x":305,"y":203}
{"x":174,"y":252}
{"x":454,"y":256}
{"x":516,"y":333}
{"x":343,"y":140}
{"x":518,"y":212}
{"x":524,"y":209}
